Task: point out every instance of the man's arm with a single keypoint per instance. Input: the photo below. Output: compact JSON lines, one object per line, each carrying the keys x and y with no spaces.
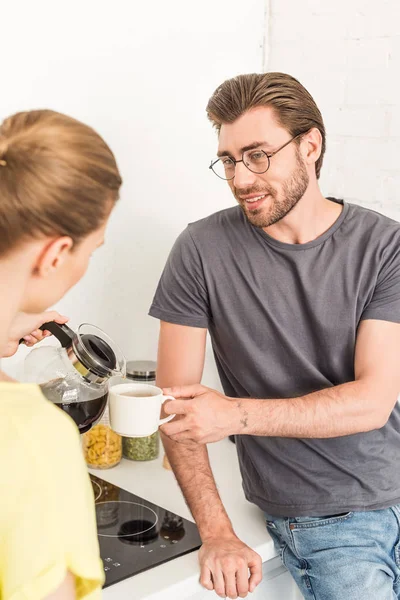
{"x":225,"y":561}
{"x":181,"y":352}
{"x":357,"y":406}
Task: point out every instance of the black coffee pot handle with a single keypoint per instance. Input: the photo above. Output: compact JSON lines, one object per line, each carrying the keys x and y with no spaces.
{"x":63,"y":333}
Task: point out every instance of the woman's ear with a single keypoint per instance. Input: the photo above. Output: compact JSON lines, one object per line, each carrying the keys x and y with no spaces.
{"x":52,"y":256}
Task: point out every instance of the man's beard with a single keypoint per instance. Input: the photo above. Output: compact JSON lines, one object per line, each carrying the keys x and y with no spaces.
{"x":293,"y":190}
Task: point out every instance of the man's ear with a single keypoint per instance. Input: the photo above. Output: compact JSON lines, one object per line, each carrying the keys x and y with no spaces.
{"x":314,"y":145}
{"x":52,"y":256}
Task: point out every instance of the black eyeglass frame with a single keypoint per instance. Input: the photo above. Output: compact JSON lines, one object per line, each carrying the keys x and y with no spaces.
{"x":269,"y":156}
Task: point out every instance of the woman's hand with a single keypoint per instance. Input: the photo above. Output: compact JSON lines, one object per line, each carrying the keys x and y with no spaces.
{"x":26,"y":326}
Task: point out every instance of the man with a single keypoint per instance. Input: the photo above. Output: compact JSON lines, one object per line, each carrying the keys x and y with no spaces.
{"x":301,"y":296}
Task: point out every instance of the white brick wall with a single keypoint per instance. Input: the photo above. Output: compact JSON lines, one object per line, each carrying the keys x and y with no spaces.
{"x":347,"y":54}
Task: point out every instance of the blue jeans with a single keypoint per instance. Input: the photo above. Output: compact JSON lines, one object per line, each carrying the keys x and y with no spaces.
{"x":352,"y":556}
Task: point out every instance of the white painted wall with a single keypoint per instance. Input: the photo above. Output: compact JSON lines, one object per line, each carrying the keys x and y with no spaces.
{"x":347,"y":54}
{"x":141,"y":74}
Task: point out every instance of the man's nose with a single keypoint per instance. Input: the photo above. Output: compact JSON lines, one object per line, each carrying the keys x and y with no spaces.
{"x":243,"y":176}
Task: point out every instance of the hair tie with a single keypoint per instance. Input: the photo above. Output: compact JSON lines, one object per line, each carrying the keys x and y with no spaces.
{"x":3,"y":163}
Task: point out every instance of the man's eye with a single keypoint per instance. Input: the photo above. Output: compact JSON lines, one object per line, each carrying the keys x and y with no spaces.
{"x":258,"y":156}
{"x":227,"y":162}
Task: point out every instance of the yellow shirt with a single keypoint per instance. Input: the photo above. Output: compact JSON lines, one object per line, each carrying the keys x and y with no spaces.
{"x":47,"y":516}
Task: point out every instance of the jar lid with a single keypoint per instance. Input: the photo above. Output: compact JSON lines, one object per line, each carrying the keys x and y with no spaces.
{"x":141,"y":368}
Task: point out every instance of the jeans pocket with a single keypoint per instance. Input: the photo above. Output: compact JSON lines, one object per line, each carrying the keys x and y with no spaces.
{"x":396,"y":511}
{"x":310,"y":522}
{"x":279,"y":544}
{"x":397,"y":554}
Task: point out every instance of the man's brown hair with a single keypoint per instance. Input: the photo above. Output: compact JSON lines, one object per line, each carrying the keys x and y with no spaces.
{"x":57,"y":177}
{"x":293,"y":105}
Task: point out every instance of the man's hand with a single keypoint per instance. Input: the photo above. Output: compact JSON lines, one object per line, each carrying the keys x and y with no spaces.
{"x":206,"y":415}
{"x":225,"y":563}
{"x":26,"y":326}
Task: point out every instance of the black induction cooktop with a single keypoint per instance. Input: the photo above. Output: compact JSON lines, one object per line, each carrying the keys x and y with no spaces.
{"x":136,"y":535}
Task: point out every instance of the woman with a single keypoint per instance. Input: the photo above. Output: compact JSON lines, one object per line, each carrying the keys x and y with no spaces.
{"x":58,"y":185}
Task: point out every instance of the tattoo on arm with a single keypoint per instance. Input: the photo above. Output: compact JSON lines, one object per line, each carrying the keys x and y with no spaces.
{"x":245,"y":414}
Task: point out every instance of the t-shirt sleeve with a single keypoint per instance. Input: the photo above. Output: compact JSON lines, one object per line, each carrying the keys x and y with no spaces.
{"x":181,"y":295}
{"x":52,"y":526}
{"x":385,"y":301}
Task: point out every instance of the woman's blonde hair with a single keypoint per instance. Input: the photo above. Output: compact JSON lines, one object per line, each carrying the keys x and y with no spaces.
{"x":57,"y":177}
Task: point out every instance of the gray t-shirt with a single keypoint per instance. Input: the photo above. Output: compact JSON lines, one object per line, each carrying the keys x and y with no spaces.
{"x":283,"y":321}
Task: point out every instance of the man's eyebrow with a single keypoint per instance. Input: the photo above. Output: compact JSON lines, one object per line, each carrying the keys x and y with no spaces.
{"x":244,"y":149}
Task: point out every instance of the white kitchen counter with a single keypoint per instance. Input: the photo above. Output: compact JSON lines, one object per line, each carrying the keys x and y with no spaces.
{"x":178,"y":579}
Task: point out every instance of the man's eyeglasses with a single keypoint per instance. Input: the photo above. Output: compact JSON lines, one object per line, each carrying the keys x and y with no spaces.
{"x":257,"y":161}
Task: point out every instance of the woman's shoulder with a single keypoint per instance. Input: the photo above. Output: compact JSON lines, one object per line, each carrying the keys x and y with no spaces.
{"x":31,"y":427}
{"x":43,"y":475}
{"x":25,"y":403}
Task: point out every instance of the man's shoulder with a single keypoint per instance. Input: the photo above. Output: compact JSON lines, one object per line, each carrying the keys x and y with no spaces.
{"x":368,"y":217}
{"x":224,"y":222}
{"x":373,"y":229}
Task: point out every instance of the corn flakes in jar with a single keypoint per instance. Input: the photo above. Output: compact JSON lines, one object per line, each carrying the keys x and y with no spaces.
{"x":102,"y":447}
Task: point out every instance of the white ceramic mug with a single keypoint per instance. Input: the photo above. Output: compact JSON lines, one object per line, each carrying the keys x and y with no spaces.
{"x":135,"y":409}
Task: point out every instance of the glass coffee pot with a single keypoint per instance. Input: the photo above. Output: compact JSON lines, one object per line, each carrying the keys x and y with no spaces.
{"x":75,"y":375}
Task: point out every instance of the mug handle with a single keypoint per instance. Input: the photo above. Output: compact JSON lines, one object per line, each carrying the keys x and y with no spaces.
{"x":170,"y":417}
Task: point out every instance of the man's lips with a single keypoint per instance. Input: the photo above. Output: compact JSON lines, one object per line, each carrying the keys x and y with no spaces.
{"x":253,"y":201}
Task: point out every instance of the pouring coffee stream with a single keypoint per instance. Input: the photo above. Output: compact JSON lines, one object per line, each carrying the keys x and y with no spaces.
{"x":75,"y":376}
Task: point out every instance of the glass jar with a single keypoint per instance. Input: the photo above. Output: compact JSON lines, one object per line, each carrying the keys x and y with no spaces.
{"x":102,"y":447}
{"x":143,"y":448}
{"x":107,"y":505}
